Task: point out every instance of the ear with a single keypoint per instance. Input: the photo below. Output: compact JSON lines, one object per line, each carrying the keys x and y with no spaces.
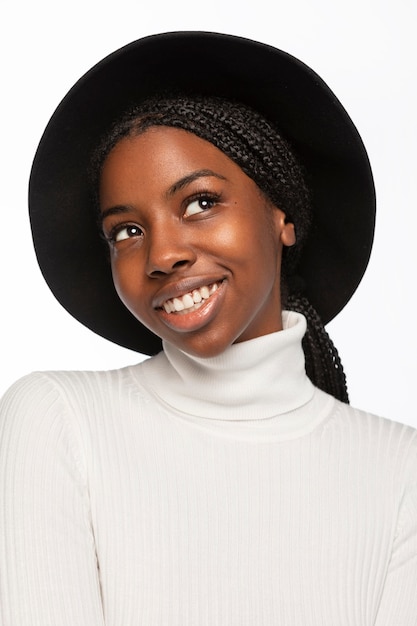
{"x":285,"y":230}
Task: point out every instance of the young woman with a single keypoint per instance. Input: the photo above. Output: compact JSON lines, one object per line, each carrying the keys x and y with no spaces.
{"x":226,"y":480}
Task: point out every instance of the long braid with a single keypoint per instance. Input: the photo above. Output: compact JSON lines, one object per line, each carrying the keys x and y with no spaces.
{"x":323,"y":364}
{"x":264,"y":155}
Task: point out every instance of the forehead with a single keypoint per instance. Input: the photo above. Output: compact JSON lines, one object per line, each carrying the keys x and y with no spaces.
{"x":164,"y":143}
{"x":162,"y":155}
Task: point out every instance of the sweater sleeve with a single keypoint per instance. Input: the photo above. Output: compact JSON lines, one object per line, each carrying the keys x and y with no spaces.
{"x":399,"y":598}
{"x":48,"y":566}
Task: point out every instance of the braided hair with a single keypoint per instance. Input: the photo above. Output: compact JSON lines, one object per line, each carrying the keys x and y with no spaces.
{"x":249,"y":140}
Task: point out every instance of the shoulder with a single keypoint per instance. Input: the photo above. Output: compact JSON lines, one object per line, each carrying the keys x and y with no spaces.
{"x":65,"y":397}
{"x":44,"y":412}
{"x":380,"y":441}
{"x":31,"y":393}
{"x":369,"y":426}
{"x":63,"y":386}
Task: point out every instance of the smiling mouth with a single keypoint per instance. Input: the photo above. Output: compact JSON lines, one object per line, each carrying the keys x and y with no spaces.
{"x":190,"y":301}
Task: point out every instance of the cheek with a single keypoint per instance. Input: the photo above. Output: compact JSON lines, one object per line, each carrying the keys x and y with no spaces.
{"x":229,"y":238}
{"x":251,"y":242}
{"x":127,"y":279}
{"x":238,"y":236}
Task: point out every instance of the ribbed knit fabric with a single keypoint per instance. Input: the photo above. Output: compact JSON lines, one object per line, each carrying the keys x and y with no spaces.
{"x":190,"y":492}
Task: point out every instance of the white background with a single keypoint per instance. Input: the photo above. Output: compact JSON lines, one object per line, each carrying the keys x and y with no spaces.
{"x":365,"y":50}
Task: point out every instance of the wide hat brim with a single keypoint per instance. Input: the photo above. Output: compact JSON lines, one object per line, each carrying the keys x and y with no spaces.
{"x":287,"y":92}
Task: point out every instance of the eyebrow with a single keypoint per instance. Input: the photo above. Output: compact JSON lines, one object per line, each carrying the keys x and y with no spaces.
{"x":186,"y":180}
{"x":175,"y":187}
{"x":113,"y":210}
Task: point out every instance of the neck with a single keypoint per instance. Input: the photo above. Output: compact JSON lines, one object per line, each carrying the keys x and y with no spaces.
{"x":256,"y":379}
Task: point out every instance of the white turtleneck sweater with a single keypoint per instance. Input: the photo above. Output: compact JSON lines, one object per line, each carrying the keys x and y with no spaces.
{"x":204,"y":492}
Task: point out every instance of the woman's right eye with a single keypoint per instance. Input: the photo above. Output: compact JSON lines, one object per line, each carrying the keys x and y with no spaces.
{"x":127,"y":231}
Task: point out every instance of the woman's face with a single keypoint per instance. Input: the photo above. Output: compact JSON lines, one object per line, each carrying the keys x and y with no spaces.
{"x":195,"y":247}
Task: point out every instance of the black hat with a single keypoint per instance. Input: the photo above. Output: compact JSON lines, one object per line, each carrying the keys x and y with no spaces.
{"x":284,"y":90}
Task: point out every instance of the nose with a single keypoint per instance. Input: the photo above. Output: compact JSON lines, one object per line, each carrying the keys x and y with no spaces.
{"x":168,"y":250}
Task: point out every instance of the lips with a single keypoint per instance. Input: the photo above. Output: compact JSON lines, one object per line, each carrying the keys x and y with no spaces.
{"x":190,"y":301}
{"x":195,"y":306}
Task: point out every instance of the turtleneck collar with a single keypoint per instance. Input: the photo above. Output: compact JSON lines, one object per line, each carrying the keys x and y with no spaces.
{"x":256,"y":379}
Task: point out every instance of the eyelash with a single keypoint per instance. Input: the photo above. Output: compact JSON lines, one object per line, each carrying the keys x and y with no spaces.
{"x":210,"y":197}
{"x":112,"y":236}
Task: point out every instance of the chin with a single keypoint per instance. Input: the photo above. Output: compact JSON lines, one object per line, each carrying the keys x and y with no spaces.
{"x":211,"y":345}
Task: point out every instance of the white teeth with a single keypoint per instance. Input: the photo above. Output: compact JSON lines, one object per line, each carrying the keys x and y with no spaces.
{"x":187,"y":301}
{"x":178,"y":304}
{"x":205,"y":293}
{"x":190,"y":300}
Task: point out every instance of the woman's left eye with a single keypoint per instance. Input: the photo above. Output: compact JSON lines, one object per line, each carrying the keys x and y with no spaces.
{"x":198,"y":205}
